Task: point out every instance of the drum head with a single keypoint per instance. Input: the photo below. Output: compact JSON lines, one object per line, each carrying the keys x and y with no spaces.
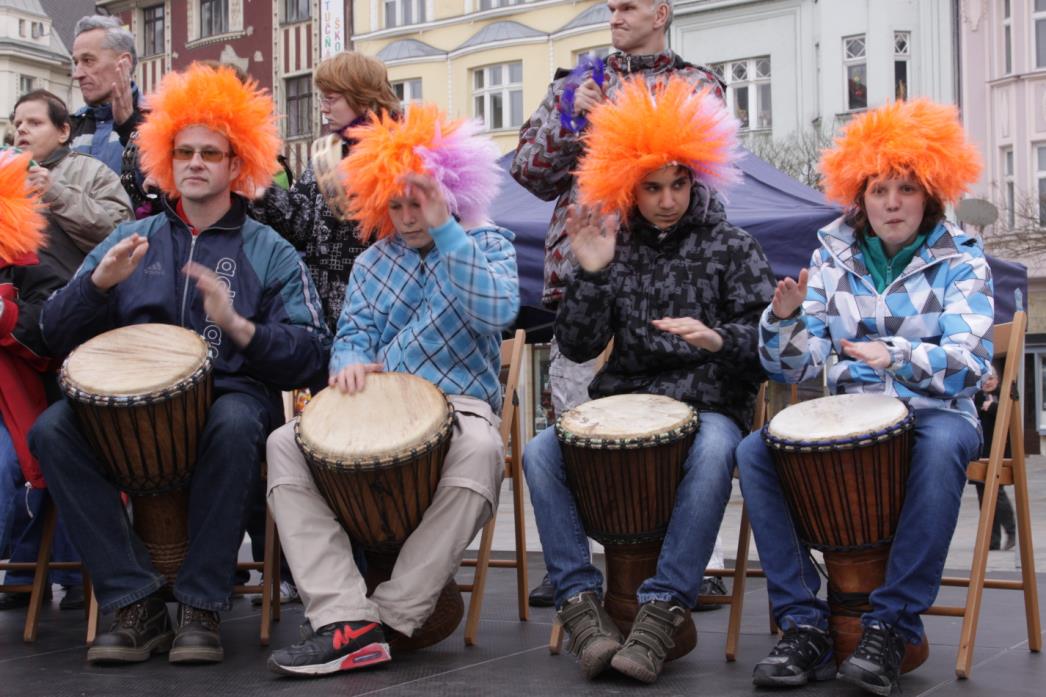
{"x":626,"y":417}
{"x":394,"y":414}
{"x":841,"y":417}
{"x":138,"y":360}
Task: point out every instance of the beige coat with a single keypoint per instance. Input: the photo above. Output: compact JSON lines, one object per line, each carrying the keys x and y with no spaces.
{"x":86,"y":199}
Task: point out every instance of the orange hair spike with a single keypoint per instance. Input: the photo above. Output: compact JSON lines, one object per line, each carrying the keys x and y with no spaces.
{"x":918,"y":138}
{"x":22,"y":222}
{"x":216,"y":99}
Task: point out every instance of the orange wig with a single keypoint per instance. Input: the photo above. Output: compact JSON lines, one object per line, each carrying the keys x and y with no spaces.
{"x":919,"y":139}
{"x":21,"y":221}
{"x":461,"y":160}
{"x":638,"y":132}
{"x":216,"y":99}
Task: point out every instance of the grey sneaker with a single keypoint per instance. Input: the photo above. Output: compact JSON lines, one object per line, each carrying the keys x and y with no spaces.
{"x":650,"y":640}
{"x":594,"y":638}
{"x":802,"y":654}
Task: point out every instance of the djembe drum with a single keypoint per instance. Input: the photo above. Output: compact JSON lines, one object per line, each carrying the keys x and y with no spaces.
{"x":325,"y":155}
{"x":377,"y":457}
{"x":624,"y":460}
{"x":142,"y":393}
{"x":843,"y":462}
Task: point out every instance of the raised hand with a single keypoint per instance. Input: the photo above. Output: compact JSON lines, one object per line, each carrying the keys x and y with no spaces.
{"x":874,"y":353}
{"x":691,"y":330}
{"x":217,"y":303}
{"x":424,"y":189}
{"x":119,"y":262}
{"x":39,"y":179}
{"x":593,"y":236}
{"x":789,"y":295}
{"x":121,"y":96}
{"x":587,"y":97}
{"x":352,"y":378}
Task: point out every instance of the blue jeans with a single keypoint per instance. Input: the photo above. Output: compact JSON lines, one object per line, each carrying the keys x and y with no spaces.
{"x":696,"y":516}
{"x":11,"y":485}
{"x":227,"y":465}
{"x":945,"y":442}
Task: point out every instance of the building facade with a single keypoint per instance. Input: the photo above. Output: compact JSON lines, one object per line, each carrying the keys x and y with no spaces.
{"x":277,"y":42}
{"x":795,"y":65}
{"x":32,"y":56}
{"x":488,"y":59}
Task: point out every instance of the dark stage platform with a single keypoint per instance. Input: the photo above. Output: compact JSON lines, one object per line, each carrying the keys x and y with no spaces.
{"x":511,"y":659}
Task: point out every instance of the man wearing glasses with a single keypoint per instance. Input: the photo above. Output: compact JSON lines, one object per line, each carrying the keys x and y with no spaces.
{"x":201,"y":264}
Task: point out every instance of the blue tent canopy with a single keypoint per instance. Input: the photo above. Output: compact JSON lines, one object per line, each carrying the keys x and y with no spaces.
{"x":780,"y":212}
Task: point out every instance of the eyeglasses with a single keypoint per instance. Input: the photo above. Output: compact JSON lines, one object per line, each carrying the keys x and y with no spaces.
{"x":207,"y":154}
{"x":327,"y":100}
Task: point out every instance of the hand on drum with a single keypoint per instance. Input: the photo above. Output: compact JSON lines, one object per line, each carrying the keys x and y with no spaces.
{"x":789,"y":295}
{"x":217,"y":303}
{"x":874,"y":353}
{"x":352,"y":378}
{"x":593,"y":236}
{"x":424,"y":189}
{"x":119,"y":262}
{"x":692,"y":331}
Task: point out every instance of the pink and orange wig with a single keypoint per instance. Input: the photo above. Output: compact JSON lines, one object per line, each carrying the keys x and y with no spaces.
{"x":640,"y":131}
{"x":917,"y":138}
{"x":216,"y":99}
{"x":21,"y":221}
{"x":463,"y":163}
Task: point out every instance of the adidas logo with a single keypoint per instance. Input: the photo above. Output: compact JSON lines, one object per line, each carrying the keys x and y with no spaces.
{"x":153,"y":269}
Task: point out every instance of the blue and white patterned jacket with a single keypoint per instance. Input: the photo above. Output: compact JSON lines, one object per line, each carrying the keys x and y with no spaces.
{"x":936,"y":317}
{"x":437,"y":316}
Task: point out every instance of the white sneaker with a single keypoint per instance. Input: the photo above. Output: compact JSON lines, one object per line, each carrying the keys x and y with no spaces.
{"x":288,"y":594}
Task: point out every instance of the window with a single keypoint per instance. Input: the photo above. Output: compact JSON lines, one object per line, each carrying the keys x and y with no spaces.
{"x":296,"y":10}
{"x":601,"y":52}
{"x":399,"y":13}
{"x":1007,"y":38}
{"x":902,"y":51}
{"x":1039,"y":18}
{"x":856,"y":68}
{"x":26,"y":84}
{"x":1008,"y":187}
{"x":497,"y":94}
{"x":748,"y":91}
{"x":152,"y":33}
{"x":299,"y":105}
{"x":407,"y":91}
{"x":37,"y":30}
{"x":22,"y":30}
{"x":491,"y":4}
{"x":1040,"y":178}
{"x":214,"y":17}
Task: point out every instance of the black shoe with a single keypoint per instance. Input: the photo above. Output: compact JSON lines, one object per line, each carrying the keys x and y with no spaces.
{"x":711,"y":585}
{"x":198,"y":639}
{"x":802,"y":654}
{"x":650,"y":640}
{"x":73,"y":598}
{"x":138,"y":631}
{"x":333,"y":648}
{"x":1011,"y":541}
{"x":544,"y":595}
{"x":13,"y":601}
{"x":594,"y":638}
{"x":876,"y":662}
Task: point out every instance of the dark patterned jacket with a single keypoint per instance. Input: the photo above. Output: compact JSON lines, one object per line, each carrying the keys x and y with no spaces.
{"x":329,"y":246}
{"x":704,"y":267}
{"x":548,"y":154}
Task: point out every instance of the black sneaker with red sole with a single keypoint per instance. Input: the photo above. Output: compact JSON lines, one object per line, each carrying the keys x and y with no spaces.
{"x":333,"y":648}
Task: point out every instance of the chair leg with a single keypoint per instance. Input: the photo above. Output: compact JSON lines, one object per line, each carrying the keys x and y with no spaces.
{"x":740,"y":577}
{"x":41,"y":575}
{"x":88,"y":593}
{"x":555,"y":639}
{"x":1022,"y":507}
{"x":479,"y":580}
{"x":266,"y":585}
{"x":519,"y":518}
{"x":277,"y":564}
{"x":93,"y":612}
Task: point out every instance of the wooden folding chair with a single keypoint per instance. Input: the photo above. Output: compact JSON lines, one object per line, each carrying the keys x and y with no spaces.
{"x":512,"y":437}
{"x":40,"y":568}
{"x":269,"y":584}
{"x":997,"y":470}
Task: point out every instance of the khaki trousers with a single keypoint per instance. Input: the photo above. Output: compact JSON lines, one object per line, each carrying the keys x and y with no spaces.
{"x":319,"y":551}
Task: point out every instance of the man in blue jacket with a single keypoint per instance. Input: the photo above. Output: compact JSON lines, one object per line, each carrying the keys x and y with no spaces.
{"x":201,"y":264}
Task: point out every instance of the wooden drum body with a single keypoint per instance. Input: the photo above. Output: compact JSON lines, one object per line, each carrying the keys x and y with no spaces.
{"x":624,"y":460}
{"x":142,"y":394}
{"x":843,"y":462}
{"x":377,"y":457}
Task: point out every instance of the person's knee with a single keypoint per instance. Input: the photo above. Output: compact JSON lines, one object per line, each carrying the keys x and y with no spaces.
{"x":751,"y":453}
{"x":538,"y":465}
{"x":238,"y":419}
{"x":48,"y":431}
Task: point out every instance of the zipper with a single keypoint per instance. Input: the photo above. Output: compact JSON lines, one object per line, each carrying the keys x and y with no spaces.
{"x":185,"y":288}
